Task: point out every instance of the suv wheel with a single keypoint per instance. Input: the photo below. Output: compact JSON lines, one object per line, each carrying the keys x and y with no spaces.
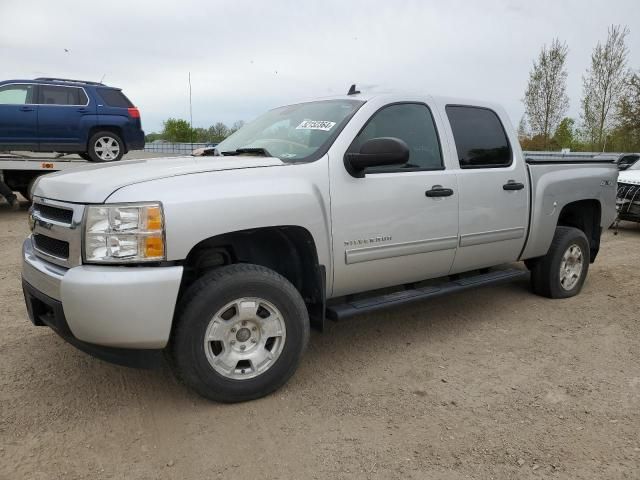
{"x":105,"y":147}
{"x":563,"y":270}
{"x":240,"y":333}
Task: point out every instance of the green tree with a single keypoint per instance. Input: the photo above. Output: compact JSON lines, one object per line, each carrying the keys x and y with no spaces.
{"x":545,"y":98}
{"x":177,"y":130}
{"x":603,"y":85}
{"x":564,"y":134}
{"x":628,"y":116}
{"x":151,"y":137}
{"x":218,"y":132}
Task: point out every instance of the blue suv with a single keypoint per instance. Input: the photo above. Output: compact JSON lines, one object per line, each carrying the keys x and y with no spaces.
{"x":68,"y":116}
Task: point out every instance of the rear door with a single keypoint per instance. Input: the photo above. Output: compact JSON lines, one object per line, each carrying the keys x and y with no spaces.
{"x":18,"y":117}
{"x":494,"y":189}
{"x":62,"y":113}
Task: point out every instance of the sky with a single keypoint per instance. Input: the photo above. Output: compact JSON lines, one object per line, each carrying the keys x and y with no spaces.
{"x":249,"y":56}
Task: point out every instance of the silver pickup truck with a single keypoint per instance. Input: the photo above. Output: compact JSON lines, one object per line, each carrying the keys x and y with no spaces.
{"x":323,"y":209}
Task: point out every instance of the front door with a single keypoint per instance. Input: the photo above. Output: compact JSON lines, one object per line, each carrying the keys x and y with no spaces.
{"x":386,"y":229}
{"x":18,"y":117}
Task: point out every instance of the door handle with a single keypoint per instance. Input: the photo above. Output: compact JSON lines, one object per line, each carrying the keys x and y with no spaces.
{"x":513,"y":185}
{"x":26,"y":109}
{"x":439,"y":191}
{"x":83,"y":110}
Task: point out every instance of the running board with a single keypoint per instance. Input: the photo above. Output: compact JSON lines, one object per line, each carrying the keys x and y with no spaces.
{"x":403,"y":297}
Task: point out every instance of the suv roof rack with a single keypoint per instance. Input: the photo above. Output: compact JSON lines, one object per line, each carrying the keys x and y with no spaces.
{"x":68,"y":80}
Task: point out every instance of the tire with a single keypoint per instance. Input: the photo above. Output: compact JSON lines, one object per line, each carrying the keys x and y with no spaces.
{"x":105,"y":147}
{"x":549,"y":277}
{"x":85,"y":156}
{"x":211,"y":308}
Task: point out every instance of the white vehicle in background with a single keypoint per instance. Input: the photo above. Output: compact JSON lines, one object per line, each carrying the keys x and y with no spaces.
{"x":628,"y":197}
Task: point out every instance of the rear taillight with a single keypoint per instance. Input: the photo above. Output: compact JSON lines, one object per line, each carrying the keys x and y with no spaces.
{"x":134,"y":112}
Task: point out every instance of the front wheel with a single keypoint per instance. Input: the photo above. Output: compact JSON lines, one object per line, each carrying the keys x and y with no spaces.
{"x":563,"y":270}
{"x":241,"y":331}
{"x":105,"y":147}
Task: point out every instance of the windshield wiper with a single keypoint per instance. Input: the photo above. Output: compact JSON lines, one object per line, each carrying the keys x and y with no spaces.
{"x":261,"y":152}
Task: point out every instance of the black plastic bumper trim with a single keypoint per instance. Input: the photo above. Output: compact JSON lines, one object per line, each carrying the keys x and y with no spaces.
{"x":46,"y":311}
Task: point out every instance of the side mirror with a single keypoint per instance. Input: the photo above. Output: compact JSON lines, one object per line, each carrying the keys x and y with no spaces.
{"x":377,"y":152}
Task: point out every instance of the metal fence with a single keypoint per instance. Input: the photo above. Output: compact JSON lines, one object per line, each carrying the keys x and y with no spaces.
{"x":167,"y":147}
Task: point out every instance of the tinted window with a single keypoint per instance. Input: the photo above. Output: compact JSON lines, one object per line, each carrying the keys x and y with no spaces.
{"x":480,"y":138}
{"x":410,"y":122}
{"x":16,"y":94}
{"x":54,"y":95}
{"x":114,"y":98}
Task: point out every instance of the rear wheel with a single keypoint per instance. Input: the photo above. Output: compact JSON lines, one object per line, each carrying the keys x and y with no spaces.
{"x":105,"y":147}
{"x":85,"y":156}
{"x":241,"y":331}
{"x":563,"y":270}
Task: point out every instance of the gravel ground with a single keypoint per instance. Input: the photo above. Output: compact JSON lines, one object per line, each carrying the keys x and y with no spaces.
{"x":494,"y":383}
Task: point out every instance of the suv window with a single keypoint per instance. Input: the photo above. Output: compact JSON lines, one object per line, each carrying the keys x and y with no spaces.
{"x":16,"y":94}
{"x":480,"y":138}
{"x":411,"y":122}
{"x":114,"y":98}
{"x":55,"y":95}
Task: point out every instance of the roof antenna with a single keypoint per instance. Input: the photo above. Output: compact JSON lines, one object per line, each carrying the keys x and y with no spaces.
{"x":352,"y":90}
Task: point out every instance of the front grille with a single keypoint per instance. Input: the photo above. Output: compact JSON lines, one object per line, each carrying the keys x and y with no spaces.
{"x":628,"y":199}
{"x":51,"y":246}
{"x":48,"y":212}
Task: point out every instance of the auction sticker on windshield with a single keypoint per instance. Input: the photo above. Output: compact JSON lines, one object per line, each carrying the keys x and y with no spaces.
{"x":316,"y":125}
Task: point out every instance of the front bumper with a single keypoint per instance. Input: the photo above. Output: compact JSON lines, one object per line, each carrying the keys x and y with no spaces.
{"x":108,"y":306}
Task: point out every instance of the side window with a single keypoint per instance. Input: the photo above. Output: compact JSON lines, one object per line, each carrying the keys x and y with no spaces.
{"x":411,"y":122}
{"x":480,"y":138}
{"x":54,"y":95}
{"x":16,"y":94}
{"x":114,"y":98}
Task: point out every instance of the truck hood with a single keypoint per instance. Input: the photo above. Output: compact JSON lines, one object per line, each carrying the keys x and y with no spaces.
{"x":93,"y":183}
{"x":629,"y":176}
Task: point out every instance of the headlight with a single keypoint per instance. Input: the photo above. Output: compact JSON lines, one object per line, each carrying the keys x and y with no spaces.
{"x":125,"y":233}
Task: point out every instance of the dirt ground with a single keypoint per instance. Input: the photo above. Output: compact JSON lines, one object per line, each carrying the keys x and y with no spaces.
{"x":494,"y":383}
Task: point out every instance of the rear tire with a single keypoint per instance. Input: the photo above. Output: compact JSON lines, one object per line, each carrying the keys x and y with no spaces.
{"x":563,"y":270}
{"x":105,"y":147}
{"x":240,"y":333}
{"x":85,"y":156}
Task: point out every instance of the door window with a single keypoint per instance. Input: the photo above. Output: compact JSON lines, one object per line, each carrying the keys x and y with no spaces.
{"x":16,"y":94}
{"x":480,"y":138}
{"x":54,"y":95}
{"x":412,"y":123}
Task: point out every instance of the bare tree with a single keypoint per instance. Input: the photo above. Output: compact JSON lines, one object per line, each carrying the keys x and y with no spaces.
{"x":523,"y":129}
{"x":603,"y":85}
{"x":545,"y":99}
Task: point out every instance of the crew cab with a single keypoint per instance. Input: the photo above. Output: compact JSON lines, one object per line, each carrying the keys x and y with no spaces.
{"x":68,"y":116}
{"x":323,"y":209}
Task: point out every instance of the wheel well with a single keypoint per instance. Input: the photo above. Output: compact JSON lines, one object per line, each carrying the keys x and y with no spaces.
{"x":288,"y":250}
{"x":103,"y":128}
{"x":584,"y":215}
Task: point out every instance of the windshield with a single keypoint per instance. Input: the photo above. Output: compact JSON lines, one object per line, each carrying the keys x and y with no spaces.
{"x":293,"y":133}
